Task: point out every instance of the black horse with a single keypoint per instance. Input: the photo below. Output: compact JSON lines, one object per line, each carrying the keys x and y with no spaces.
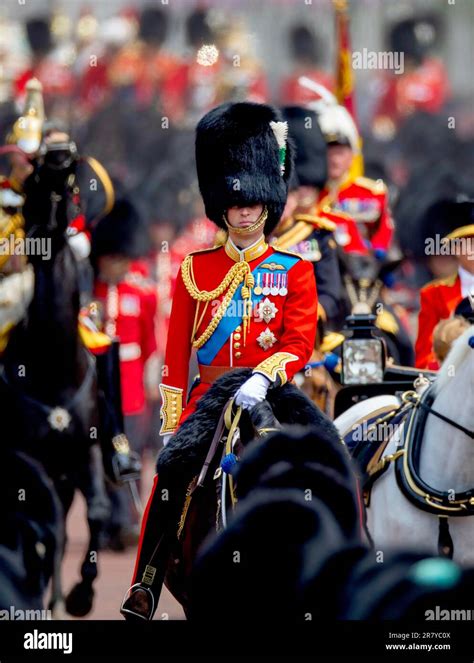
{"x":48,"y":381}
{"x":30,"y":531}
{"x":195,"y":470}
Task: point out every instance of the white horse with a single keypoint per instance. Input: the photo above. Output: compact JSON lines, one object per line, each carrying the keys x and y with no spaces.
{"x":446,"y":461}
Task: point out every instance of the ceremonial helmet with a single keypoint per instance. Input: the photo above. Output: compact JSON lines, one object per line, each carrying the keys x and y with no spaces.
{"x":27,"y":131}
{"x":338,"y":126}
{"x":310,"y":146}
{"x":243,"y":157}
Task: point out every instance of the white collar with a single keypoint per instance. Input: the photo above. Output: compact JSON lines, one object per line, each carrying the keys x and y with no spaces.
{"x":467,"y":282}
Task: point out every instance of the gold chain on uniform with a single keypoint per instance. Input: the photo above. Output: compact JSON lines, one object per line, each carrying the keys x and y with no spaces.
{"x":234,"y":277}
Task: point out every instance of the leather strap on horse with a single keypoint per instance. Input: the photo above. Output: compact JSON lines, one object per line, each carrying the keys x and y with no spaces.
{"x":445,"y":542}
{"x":226,"y":422}
{"x":449,"y":421}
{"x":411,"y":484}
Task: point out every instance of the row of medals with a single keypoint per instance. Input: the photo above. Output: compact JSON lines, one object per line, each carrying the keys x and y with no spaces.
{"x":271,"y":284}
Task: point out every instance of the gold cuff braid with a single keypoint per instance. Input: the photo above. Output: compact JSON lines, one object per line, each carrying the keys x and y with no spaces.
{"x":171,"y":409}
{"x":273,"y":367}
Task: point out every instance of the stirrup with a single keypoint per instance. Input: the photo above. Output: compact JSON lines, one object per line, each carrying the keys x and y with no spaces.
{"x":127,"y":607}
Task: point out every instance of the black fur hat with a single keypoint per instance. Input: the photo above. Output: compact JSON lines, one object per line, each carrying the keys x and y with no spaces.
{"x":121,"y":232}
{"x":415,"y":36}
{"x":39,"y":35}
{"x":198,"y":28}
{"x":238,"y":160}
{"x":304,"y":46}
{"x":153,"y":26}
{"x":311,"y":149}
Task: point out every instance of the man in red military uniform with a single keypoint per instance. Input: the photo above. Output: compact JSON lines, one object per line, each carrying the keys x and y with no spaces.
{"x":125,"y":305}
{"x":439,"y":299}
{"x":422,"y":84}
{"x":362,"y":199}
{"x":243,"y":304}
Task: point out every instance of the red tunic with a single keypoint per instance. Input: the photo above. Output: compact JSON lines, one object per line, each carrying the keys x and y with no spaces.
{"x":438,"y":300}
{"x":366,"y":201}
{"x":291,"y":327}
{"x":128,"y":311}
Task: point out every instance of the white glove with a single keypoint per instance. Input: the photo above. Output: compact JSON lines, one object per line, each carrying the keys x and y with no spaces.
{"x":253,"y":391}
{"x":80,"y":245}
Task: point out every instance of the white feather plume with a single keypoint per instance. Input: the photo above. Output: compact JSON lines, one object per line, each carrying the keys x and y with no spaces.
{"x":280,"y":131}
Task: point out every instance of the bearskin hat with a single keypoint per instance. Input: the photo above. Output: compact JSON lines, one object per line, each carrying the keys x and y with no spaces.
{"x":451,"y":217}
{"x":304,"y":46}
{"x":38,"y":33}
{"x":121,"y":232}
{"x":198,"y":28}
{"x":310,"y":146}
{"x":153,"y":26}
{"x":243,"y":157}
{"x":415,"y":36}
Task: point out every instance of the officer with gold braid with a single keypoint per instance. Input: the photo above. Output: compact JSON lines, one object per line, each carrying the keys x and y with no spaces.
{"x":301,"y":229}
{"x":242,"y":304}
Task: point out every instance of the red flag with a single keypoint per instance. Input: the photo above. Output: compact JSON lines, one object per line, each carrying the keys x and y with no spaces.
{"x":345,"y":88}
{"x":344,"y":75}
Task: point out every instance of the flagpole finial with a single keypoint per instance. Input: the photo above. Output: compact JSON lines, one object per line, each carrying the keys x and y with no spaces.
{"x":341,"y":5}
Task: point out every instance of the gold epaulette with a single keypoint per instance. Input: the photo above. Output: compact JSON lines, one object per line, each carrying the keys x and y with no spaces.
{"x":374,"y":186}
{"x":317,"y":221}
{"x":446,"y":280}
{"x":331,"y":341}
{"x":387,"y":322}
{"x":290,"y":253}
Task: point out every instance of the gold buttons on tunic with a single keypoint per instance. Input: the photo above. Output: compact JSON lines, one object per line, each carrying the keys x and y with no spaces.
{"x":236,"y":345}
{"x":238,"y":329}
{"x":237,"y":337}
{"x":238,"y":355}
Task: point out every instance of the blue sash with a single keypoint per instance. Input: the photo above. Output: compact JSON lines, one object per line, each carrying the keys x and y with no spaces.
{"x":229,"y":323}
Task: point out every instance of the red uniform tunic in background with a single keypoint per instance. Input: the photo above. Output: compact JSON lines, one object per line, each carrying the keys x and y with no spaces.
{"x":128,"y":311}
{"x":438,"y":300}
{"x":366,"y":201}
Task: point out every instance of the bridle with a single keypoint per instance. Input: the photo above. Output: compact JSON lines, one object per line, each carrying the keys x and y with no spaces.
{"x":417,"y":402}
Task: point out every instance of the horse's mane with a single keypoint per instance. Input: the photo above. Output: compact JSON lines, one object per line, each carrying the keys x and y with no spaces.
{"x":458,"y":354}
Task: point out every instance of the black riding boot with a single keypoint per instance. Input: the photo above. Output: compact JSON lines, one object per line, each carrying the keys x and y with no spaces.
{"x":158,"y":532}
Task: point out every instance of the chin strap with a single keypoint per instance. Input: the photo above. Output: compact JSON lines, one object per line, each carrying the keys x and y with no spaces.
{"x":251,"y":229}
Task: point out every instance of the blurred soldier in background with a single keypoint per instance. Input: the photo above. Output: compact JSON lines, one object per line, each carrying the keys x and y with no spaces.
{"x":365,"y":200}
{"x":124,"y":309}
{"x":310,"y":235}
{"x":47,"y":66}
{"x":305,"y":50}
{"x":423,"y":83}
{"x":440,"y":298}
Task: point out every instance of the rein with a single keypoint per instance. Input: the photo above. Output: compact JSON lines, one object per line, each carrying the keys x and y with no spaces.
{"x":449,"y":421}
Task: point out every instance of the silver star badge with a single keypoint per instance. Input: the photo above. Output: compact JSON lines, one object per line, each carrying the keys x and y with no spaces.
{"x":59,"y":418}
{"x":266,"y":310}
{"x":266,"y":339}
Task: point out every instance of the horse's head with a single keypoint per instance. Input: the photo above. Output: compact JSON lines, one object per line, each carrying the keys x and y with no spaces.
{"x":50,"y":188}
